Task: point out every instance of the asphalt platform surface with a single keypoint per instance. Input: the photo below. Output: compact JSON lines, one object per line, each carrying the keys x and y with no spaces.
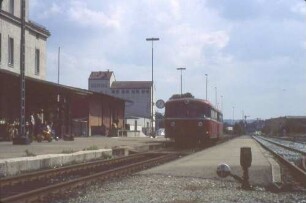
{"x":8,"y":150}
{"x":263,"y":171}
{"x":202,"y":164}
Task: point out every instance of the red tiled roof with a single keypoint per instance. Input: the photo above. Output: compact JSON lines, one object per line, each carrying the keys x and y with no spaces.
{"x":131,"y":84}
{"x":104,"y":75}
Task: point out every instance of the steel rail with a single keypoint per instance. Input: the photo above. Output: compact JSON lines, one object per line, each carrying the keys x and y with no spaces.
{"x":296,"y":172}
{"x":43,"y":194}
{"x":284,"y":146}
{"x":55,"y":172}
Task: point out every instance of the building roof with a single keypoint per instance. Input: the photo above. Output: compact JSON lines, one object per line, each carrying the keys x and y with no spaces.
{"x":101,"y":75}
{"x":75,"y":90}
{"x":30,"y":25}
{"x":131,"y":84}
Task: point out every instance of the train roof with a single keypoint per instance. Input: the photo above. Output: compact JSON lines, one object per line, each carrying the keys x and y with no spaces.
{"x":194,"y":100}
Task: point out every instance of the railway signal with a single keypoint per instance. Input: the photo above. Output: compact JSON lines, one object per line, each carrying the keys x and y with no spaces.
{"x":224,"y":170}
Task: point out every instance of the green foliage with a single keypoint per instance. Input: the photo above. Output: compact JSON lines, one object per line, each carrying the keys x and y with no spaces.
{"x":185,"y":95}
{"x":106,"y":156}
{"x":239,"y":128}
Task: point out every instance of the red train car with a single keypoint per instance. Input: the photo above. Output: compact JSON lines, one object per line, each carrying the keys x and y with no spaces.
{"x":190,"y":121}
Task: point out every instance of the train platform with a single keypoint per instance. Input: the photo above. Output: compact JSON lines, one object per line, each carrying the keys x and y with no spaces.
{"x":17,"y":159}
{"x":263,"y":171}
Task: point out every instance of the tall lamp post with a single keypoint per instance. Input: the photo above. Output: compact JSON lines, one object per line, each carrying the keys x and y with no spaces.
{"x":221,"y":103}
{"x":233,"y":115}
{"x":206,"y":75}
{"x":181,"y":69}
{"x":216,"y":94}
{"x":152,"y":39}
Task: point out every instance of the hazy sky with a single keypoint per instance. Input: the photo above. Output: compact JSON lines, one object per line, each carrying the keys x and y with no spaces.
{"x":253,"y":51}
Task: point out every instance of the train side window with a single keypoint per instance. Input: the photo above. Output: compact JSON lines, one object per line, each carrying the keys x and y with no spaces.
{"x":214,"y":114}
{"x":220,"y":117}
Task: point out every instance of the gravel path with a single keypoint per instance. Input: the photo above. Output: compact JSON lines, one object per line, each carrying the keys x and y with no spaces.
{"x":158,"y":188}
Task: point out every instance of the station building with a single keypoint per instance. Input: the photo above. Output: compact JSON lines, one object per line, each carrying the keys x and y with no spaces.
{"x":137,"y":96}
{"x":73,"y":110}
{"x":10,"y":36}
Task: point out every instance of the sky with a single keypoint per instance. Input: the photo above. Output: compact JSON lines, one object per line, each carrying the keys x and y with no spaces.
{"x":253,"y":52}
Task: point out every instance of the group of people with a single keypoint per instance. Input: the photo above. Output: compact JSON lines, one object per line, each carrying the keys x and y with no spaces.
{"x":40,"y":128}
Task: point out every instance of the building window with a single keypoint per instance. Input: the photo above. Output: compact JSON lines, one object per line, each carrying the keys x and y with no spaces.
{"x":37,"y":61}
{"x":11,"y":51}
{"x":147,"y":91}
{"x":11,"y":8}
{"x":113,"y":91}
{"x":137,"y":91}
{"x":127,"y":91}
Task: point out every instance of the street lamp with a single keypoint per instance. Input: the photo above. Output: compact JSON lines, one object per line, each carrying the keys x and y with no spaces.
{"x":221,"y":103}
{"x":206,"y":75}
{"x":216,"y":97}
{"x":233,"y":115}
{"x":181,"y":69}
{"x":152,"y":94}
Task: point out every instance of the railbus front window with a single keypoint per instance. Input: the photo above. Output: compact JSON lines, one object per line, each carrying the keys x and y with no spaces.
{"x":182,"y":110}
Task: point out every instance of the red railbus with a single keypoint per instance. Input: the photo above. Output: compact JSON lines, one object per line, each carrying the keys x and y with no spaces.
{"x":190,"y":121}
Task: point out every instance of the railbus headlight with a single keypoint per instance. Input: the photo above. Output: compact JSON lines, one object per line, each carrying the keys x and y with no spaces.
{"x":172,"y":124}
{"x":200,"y":124}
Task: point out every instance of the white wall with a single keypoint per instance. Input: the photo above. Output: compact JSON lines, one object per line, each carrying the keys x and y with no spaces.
{"x":17,"y":7}
{"x":32,"y":42}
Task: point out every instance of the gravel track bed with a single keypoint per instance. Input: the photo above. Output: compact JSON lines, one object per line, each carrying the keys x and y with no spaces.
{"x":159,"y":188}
{"x":299,"y":139}
{"x":287,"y":154}
{"x":288,"y":143}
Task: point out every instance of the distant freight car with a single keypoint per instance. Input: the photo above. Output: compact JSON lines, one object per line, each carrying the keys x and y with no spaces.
{"x":192,"y":122}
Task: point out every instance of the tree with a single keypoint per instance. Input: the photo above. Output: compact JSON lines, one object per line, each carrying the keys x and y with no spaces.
{"x":178,"y":96}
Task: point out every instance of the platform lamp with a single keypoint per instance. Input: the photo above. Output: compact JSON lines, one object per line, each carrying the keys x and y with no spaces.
{"x":206,"y":76}
{"x":152,"y":39}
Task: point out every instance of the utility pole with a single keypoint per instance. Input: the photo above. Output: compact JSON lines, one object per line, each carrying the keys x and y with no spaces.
{"x":22,"y":137}
{"x":152,"y":95}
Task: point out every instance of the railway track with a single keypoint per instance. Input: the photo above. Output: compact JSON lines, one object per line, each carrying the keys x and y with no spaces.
{"x":287,"y":155}
{"x":45,"y":186}
{"x":290,"y":145}
{"x":295,"y":139}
